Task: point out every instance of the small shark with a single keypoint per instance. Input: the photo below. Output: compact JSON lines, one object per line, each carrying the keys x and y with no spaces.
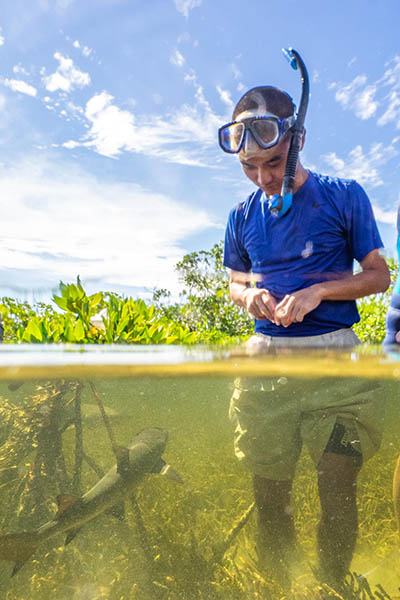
{"x":142,"y":457}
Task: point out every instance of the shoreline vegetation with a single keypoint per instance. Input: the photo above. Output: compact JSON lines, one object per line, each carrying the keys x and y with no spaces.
{"x":204,"y":313}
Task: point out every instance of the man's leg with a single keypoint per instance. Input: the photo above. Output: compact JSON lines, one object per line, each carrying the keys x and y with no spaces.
{"x":337,"y":531}
{"x":276,"y":535}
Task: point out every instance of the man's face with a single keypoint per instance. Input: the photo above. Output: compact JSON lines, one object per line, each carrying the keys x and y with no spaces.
{"x":266,"y":168}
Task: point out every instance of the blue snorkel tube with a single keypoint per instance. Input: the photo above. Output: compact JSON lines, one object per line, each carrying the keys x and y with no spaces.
{"x":280,"y":205}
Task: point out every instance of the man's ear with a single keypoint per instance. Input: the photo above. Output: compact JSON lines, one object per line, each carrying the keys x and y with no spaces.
{"x":303,"y":139}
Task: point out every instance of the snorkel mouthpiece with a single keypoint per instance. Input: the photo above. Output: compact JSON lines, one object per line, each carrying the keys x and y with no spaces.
{"x":280,"y":205}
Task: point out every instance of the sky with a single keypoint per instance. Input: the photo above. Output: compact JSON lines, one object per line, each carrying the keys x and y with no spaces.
{"x":109,"y":111}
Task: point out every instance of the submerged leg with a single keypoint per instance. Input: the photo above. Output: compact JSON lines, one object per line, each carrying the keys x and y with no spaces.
{"x":276,"y":534}
{"x":337,"y":531}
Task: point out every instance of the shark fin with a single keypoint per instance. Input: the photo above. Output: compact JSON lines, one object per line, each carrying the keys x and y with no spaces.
{"x":18,"y":547}
{"x":117,"y":511}
{"x":64,"y":502}
{"x":169,"y":472}
{"x":122,"y":460}
{"x":71,"y":535}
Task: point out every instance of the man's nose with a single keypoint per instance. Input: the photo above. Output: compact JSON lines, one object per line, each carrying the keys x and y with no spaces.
{"x":264,"y":177}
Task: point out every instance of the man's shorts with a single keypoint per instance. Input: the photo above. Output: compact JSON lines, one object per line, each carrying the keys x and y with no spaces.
{"x":274,"y":417}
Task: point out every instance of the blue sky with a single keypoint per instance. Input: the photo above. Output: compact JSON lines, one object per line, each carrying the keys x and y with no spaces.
{"x":109,"y":165}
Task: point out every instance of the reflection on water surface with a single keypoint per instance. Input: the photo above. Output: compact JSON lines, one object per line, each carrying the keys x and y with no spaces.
{"x":65,"y":419}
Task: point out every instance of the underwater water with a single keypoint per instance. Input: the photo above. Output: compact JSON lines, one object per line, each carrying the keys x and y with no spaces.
{"x":67,"y":418}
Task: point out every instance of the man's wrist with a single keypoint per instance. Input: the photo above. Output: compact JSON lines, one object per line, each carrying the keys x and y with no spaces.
{"x":320,"y":290}
{"x":243,"y":295}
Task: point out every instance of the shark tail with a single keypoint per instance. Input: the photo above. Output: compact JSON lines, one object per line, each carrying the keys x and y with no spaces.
{"x":18,"y":548}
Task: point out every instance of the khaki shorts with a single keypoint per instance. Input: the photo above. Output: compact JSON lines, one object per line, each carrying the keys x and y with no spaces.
{"x":341,"y":338}
{"x":273,"y":417}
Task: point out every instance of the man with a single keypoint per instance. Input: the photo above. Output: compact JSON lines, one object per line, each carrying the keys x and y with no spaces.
{"x":304,"y":296}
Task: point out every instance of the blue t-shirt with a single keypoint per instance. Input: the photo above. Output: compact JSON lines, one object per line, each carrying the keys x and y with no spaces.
{"x":330,"y":224}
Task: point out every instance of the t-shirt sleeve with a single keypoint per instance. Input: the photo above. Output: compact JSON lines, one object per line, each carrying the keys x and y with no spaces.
{"x":235,"y":255}
{"x":363,"y":234}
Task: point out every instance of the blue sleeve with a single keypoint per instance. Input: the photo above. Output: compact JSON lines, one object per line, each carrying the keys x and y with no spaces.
{"x":235,"y":255}
{"x":363,"y":234}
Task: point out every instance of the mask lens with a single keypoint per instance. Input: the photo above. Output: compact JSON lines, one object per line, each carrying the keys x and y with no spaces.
{"x":231,"y":137}
{"x":266,"y":130}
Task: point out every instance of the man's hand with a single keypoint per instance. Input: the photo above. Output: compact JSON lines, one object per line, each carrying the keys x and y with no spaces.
{"x":294,"y":307}
{"x":259,"y":303}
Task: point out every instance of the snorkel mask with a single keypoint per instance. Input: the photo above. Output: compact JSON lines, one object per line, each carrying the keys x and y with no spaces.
{"x":267,"y":130}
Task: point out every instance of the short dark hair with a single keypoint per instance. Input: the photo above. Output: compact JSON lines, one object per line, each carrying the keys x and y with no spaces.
{"x":271,"y":98}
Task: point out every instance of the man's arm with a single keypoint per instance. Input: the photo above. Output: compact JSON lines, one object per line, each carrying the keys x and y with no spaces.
{"x":373,"y":278}
{"x":257,"y":301}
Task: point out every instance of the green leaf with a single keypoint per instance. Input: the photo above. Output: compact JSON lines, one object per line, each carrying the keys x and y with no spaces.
{"x":61,"y":302}
{"x":33,"y":331}
{"x":79,"y":331}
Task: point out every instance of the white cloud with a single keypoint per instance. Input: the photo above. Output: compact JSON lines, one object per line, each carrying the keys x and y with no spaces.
{"x":315,"y":76}
{"x":393,"y":110}
{"x":361,"y":97}
{"x":236,"y":73}
{"x":225,"y":97}
{"x":391,"y":76}
{"x":86,"y":51}
{"x":184,"y":6}
{"x":364,"y":104}
{"x":65,"y":222}
{"x":71,"y":145}
{"x":183,"y":136}
{"x":177,"y":59}
{"x":385,"y":216}
{"x":66,"y":77}
{"x":16,"y":85}
{"x":19,"y":70}
{"x":391,"y":79}
{"x":360,"y":166}
{"x":112,"y":129}
{"x":361,"y":101}
{"x":1,"y":39}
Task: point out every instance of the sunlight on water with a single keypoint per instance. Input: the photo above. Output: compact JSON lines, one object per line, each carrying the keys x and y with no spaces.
{"x":71,"y":418}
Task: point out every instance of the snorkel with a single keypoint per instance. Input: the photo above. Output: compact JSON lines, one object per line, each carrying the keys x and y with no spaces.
{"x":280,"y":205}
